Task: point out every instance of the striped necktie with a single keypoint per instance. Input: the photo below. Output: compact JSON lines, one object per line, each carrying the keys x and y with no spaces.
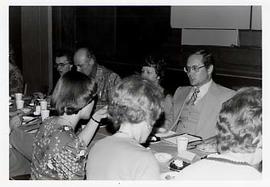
{"x":194,"y":96}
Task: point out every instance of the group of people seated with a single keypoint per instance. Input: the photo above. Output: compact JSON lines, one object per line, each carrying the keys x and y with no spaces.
{"x":134,"y":104}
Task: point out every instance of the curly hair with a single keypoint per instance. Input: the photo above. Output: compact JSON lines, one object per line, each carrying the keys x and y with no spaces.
{"x":72,"y":92}
{"x":64,"y":52}
{"x":156,"y":62}
{"x":134,"y":100}
{"x":240,"y":121}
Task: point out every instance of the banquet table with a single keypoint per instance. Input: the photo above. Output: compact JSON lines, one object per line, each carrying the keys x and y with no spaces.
{"x":21,"y":137}
{"x":21,"y":140}
{"x":161,"y":146}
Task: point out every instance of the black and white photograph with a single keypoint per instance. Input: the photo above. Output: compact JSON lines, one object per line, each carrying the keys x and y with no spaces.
{"x":125,"y":92}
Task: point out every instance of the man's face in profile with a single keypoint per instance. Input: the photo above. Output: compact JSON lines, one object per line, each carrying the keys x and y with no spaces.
{"x":62,"y":64}
{"x":197,"y":72}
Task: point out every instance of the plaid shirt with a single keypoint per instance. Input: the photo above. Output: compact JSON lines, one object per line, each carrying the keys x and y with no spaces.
{"x":106,"y":80}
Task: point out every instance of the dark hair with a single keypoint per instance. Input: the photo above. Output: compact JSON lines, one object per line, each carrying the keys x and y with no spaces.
{"x":240,"y":121}
{"x":11,"y":55}
{"x":156,"y":62}
{"x":72,"y":92}
{"x":134,"y":100}
{"x":207,"y":57}
{"x":64,"y":52}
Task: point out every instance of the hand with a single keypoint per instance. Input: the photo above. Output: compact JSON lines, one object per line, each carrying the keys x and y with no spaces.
{"x":161,"y":130}
{"x":15,"y":113}
{"x":101,"y":113}
{"x":15,"y":121}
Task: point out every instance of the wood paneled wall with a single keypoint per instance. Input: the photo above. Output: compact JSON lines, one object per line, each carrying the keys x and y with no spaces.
{"x":120,"y":38}
{"x":36,"y":48}
{"x":15,"y":33}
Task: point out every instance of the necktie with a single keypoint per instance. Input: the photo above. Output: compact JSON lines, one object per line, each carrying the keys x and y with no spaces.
{"x":194,"y":96}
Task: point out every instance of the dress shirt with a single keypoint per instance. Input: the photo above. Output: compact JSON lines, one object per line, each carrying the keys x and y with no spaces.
{"x":203,"y":90}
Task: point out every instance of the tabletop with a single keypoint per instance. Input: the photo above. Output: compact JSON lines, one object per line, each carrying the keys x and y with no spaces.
{"x":161,"y":146}
{"x":27,"y":132}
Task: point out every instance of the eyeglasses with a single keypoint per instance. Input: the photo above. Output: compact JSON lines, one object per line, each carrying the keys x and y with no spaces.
{"x":60,"y":65}
{"x":187,"y":69}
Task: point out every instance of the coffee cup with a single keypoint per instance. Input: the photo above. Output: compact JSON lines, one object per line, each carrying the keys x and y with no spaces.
{"x":18,"y":96}
{"x":43,"y":105}
{"x":19,"y":104}
{"x":182,"y":143}
{"x":37,"y":112}
{"x":44,"y":114}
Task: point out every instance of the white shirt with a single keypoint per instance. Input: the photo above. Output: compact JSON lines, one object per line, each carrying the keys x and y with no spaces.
{"x":203,"y":90}
{"x":216,"y":170}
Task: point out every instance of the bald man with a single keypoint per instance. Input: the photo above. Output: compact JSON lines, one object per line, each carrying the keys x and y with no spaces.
{"x":85,"y":62}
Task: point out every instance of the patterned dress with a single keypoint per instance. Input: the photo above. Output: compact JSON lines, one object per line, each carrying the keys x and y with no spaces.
{"x":57,"y":152}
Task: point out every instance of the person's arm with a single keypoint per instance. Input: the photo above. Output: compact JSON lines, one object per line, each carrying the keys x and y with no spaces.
{"x":22,"y":142}
{"x":89,"y":130}
{"x":113,"y":80}
{"x":15,"y":121}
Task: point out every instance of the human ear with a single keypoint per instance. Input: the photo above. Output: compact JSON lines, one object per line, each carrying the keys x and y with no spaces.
{"x":210,"y":69}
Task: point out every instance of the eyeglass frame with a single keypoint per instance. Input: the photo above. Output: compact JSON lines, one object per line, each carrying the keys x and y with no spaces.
{"x":194,"y":68}
{"x":61,"y":65}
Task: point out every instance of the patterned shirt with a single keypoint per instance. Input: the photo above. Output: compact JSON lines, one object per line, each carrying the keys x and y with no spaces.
{"x":106,"y":80}
{"x":57,"y":152}
{"x":15,"y":80}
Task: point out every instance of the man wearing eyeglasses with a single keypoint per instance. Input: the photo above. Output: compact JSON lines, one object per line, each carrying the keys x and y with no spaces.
{"x":85,"y":62}
{"x":63,"y":61}
{"x":196,"y":107}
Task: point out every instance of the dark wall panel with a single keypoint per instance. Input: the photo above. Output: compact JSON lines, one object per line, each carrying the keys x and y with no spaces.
{"x":95,"y":28}
{"x":35,"y":48}
{"x":15,"y":33}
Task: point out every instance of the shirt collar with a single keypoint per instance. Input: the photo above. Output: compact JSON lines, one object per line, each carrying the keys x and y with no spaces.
{"x":204,"y":88}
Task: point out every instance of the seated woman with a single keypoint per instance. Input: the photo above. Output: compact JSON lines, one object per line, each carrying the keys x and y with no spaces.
{"x":239,"y":141}
{"x":153,"y":69}
{"x":135,"y":106}
{"x":58,"y":153}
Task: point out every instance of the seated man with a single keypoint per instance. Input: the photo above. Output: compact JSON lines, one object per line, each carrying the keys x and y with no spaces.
{"x":195,"y":108}
{"x":239,"y":141}
{"x":85,"y":62}
{"x":63,"y":61}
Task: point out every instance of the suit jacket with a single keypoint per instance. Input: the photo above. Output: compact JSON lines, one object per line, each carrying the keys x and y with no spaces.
{"x":213,"y":100}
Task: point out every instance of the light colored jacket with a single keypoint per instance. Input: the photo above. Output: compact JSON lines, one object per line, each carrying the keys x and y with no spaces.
{"x":213,"y":100}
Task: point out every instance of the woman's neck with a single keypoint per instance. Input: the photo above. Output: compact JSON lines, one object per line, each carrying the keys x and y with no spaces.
{"x":125,"y":132}
{"x":70,"y":120}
